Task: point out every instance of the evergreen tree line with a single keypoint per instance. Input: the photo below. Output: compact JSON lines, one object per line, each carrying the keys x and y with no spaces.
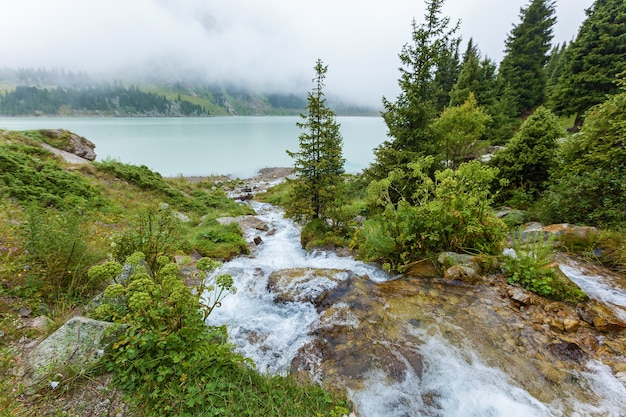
{"x":28,"y":100}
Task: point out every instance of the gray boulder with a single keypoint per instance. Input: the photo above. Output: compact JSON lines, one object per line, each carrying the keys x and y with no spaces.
{"x":79,"y":343}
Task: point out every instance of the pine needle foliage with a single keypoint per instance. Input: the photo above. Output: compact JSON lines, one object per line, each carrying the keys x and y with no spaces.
{"x":319,"y":163}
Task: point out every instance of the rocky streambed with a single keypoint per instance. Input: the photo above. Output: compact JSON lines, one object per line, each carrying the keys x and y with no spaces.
{"x":426,"y":343}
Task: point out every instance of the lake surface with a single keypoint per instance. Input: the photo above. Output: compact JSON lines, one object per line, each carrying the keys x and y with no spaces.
{"x":237,"y":146}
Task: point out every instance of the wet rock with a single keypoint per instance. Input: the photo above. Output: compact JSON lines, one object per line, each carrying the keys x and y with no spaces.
{"x":565,"y":228}
{"x":600,"y":317}
{"x":571,"y":325}
{"x":556,"y":325}
{"x":245,"y":222}
{"x":567,"y":351}
{"x":257,"y":240}
{"x":307,"y":284}
{"x":520,"y":295}
{"x":462,"y":273}
{"x":422,"y":269}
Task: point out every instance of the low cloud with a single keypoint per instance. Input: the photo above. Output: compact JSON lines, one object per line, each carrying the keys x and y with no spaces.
{"x":267,"y":45}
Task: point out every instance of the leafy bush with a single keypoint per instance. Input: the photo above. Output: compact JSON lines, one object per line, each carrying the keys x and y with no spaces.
{"x":527,"y":159}
{"x":450,"y":213}
{"x":59,"y":253}
{"x":318,"y":234}
{"x":532,"y":267}
{"x":589,"y":184}
{"x":170,"y":363}
{"x":153,"y":231}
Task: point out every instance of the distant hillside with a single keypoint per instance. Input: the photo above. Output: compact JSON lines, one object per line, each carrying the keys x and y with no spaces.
{"x":32,"y":92}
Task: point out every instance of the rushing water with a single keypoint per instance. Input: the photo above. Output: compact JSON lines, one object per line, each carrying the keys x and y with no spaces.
{"x":237,"y":146}
{"x":599,"y":287}
{"x":454,"y":380}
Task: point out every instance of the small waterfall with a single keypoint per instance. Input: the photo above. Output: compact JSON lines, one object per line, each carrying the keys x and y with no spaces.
{"x":454,"y":380}
{"x":601,"y":287}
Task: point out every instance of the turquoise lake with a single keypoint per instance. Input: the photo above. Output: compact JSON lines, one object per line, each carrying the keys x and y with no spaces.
{"x":236,"y":146}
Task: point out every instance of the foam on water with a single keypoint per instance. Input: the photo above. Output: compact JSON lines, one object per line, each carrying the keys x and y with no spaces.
{"x":598,"y":287}
{"x":453,"y":384}
{"x":269,"y":333}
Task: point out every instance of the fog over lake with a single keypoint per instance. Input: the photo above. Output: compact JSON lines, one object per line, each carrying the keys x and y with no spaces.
{"x":237,"y":146}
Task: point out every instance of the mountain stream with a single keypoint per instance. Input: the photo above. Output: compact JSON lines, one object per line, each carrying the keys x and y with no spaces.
{"x":407,"y":346}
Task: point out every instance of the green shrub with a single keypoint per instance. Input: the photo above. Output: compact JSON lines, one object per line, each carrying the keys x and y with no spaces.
{"x":532,"y":267}
{"x":589,"y":184}
{"x":450,"y":213}
{"x":59,"y":253}
{"x":24,"y":175}
{"x":153,"y":231}
{"x":527,"y":159}
{"x":318,"y":234}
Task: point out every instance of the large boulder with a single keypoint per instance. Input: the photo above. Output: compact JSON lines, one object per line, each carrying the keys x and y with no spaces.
{"x":307,"y":284}
{"x":79,"y":343}
{"x":72,"y":143}
{"x":245,"y":222}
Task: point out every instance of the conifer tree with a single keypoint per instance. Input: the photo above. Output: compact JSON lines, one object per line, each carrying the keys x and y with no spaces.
{"x":527,"y":159}
{"x":431,"y":50}
{"x":319,"y":163}
{"x":593,"y":61}
{"x":527,"y":47}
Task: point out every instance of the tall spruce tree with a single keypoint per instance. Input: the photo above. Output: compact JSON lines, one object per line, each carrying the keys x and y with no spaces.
{"x":319,"y":163}
{"x":593,"y":62}
{"x":527,"y":47}
{"x":431,"y":51}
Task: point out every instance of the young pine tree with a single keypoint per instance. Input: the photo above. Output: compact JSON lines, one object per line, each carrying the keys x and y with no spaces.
{"x":318,"y":165}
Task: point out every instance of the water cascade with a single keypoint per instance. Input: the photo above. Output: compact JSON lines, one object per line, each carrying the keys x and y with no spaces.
{"x":402,"y":346}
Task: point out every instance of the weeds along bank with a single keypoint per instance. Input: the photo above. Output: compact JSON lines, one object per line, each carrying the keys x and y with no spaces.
{"x":58,"y":221}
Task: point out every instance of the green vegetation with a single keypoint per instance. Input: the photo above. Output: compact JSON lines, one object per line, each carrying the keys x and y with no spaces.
{"x":318,"y":164}
{"x":58,"y":225}
{"x":448,"y":213}
{"x":169,"y":363}
{"x":592,"y":63}
{"x":532,"y":267}
{"x":409,"y":117}
{"x":65,"y":231}
{"x":527,"y":47}
{"x":528,"y":158}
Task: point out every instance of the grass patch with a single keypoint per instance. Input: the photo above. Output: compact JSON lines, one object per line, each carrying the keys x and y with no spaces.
{"x":219,"y":241}
{"x":607,"y":248}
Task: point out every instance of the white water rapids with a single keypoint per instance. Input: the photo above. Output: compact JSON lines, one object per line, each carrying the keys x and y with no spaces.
{"x":459,"y":382}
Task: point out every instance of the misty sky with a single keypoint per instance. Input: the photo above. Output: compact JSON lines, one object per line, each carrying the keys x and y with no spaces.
{"x":264,"y":43}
